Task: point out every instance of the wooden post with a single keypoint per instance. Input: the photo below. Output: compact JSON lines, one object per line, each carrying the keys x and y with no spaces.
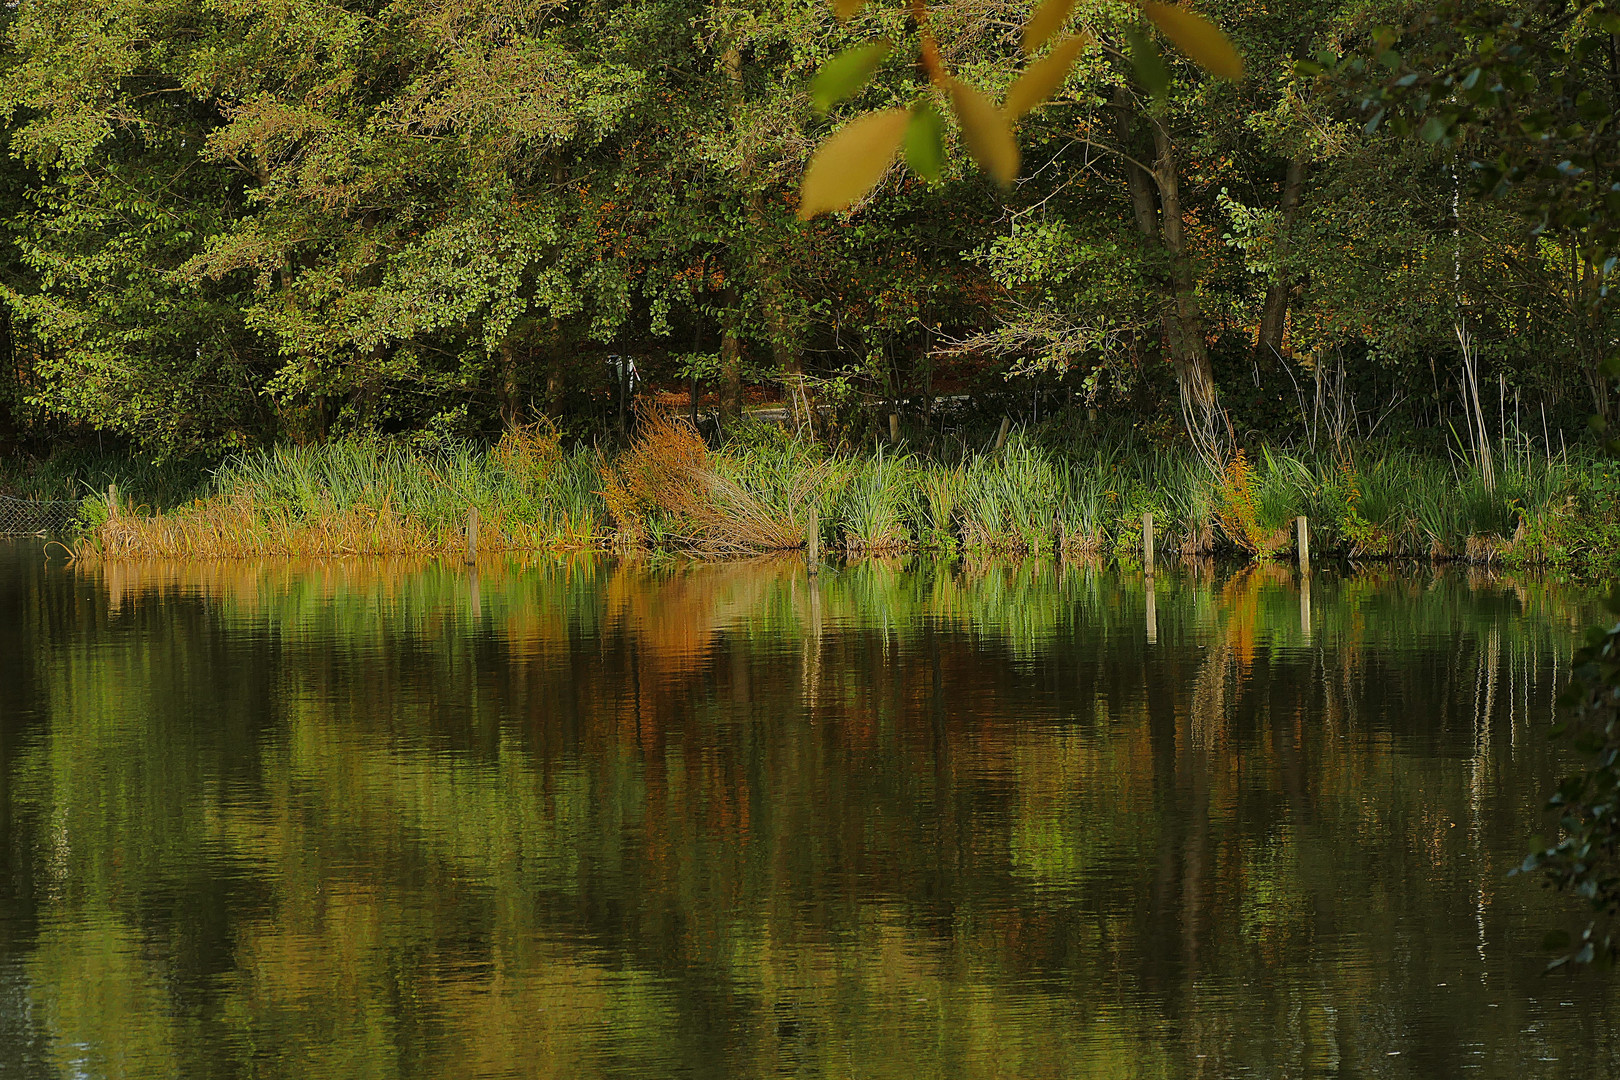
{"x":894,"y":429}
{"x":1305,"y":606}
{"x":112,"y":500}
{"x":1147,"y":544}
{"x":1304,"y":530}
{"x":812,"y":539}
{"x":472,"y":535}
{"x":1152,"y":614}
{"x":1001,"y":436}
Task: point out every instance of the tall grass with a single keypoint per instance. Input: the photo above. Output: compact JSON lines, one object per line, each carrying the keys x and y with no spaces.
{"x":365,"y":497}
{"x":880,"y":503}
{"x":670,"y":491}
{"x":1010,"y":500}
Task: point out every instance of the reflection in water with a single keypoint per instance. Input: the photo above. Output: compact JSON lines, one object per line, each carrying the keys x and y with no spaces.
{"x":575,"y":819}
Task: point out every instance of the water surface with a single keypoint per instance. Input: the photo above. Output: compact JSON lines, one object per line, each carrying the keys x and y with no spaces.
{"x":578,"y":818}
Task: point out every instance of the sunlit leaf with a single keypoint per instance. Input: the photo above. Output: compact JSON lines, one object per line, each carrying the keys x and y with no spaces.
{"x":846,"y":9}
{"x":851,"y":162}
{"x":846,"y":73}
{"x":925,"y":141}
{"x":1047,"y":20}
{"x":988,"y":136}
{"x":1149,"y":65}
{"x":1042,"y":77}
{"x":1199,"y":38}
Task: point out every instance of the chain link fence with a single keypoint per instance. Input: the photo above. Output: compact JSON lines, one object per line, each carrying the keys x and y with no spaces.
{"x":35,"y":517}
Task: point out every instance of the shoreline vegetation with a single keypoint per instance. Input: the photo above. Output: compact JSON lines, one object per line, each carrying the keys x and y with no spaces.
{"x":1037,"y":493}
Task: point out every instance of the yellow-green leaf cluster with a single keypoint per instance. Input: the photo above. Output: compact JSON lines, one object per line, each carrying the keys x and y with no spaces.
{"x":849,"y":164}
{"x":1196,"y":36}
{"x":852,"y":161}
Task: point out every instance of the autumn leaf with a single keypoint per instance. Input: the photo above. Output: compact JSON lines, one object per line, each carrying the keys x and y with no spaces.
{"x":925,"y":141}
{"x":846,"y":9}
{"x":1042,"y":77}
{"x":985,"y":130}
{"x":1196,"y":36}
{"x":851,"y":162}
{"x":1146,"y":61}
{"x":1047,"y":20}
{"x":846,"y":73}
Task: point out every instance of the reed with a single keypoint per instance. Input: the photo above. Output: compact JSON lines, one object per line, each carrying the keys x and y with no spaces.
{"x":668,"y":491}
{"x":880,"y":503}
{"x":364,"y":497}
{"x":1010,"y":500}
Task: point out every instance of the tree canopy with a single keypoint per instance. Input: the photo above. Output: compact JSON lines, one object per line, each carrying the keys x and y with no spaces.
{"x":242,"y":221}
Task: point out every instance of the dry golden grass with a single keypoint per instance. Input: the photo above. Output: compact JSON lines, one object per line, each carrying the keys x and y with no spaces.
{"x":667,"y":484}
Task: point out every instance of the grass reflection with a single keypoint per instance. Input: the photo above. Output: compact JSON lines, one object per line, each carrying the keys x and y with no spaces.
{"x":908,"y":819}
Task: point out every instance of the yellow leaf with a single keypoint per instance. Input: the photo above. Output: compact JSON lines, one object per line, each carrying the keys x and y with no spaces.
{"x":851,"y":162}
{"x":846,"y":9}
{"x":1047,"y":20}
{"x":989,"y":138}
{"x":1042,"y":77}
{"x":1199,"y":38}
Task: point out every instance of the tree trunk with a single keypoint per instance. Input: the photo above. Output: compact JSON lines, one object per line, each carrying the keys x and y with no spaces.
{"x":1590,"y":340}
{"x":1156,"y":204}
{"x":731,"y":358}
{"x":555,"y":380}
{"x":731,"y":365}
{"x":1183,"y":319}
{"x":509,"y":386}
{"x":1137,"y":180}
{"x":1274,"y":313}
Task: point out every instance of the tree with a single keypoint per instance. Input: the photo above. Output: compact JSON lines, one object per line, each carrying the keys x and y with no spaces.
{"x":1525,"y":97}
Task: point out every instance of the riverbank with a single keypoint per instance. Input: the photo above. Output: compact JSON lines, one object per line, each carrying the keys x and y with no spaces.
{"x":669,"y":491}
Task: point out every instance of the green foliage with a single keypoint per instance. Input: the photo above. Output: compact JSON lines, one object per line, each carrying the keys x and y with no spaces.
{"x":880,"y":503}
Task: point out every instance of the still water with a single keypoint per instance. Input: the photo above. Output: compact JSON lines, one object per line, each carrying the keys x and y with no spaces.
{"x":579,"y":818}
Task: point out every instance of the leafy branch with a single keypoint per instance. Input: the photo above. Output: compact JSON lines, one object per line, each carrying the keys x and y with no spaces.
{"x":853,"y":159}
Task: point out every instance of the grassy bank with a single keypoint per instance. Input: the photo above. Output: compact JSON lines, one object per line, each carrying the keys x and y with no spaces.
{"x":671,"y":492}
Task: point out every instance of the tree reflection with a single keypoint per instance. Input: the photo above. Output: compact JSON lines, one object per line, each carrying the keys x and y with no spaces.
{"x":900,"y":820}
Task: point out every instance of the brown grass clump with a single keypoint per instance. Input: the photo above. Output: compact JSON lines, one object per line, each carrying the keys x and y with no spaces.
{"x":661,"y":473}
{"x":1198,"y":542}
{"x":1484,"y":550}
{"x":666,"y":488}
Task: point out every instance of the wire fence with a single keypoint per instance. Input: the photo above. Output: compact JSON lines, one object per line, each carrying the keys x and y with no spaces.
{"x":35,"y":517}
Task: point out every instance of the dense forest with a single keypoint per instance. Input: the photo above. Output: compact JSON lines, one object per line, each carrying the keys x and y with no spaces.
{"x":243,"y":222}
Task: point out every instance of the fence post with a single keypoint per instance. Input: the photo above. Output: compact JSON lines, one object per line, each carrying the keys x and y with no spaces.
{"x":1304,"y":530}
{"x":1305,"y":607}
{"x":1147,"y":543}
{"x":1152,"y":614}
{"x":812,"y":539}
{"x":112,"y":500}
{"x":472,"y":535}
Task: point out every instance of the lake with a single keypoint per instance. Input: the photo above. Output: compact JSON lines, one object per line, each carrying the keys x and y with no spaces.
{"x":592,"y":818}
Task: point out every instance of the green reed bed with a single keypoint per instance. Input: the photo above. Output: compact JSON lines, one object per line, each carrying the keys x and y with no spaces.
{"x":764,"y":491}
